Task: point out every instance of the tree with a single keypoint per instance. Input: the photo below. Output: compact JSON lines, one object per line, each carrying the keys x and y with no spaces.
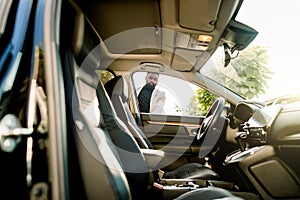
{"x":104,"y":75}
{"x":252,"y":73}
{"x":251,"y":67}
{"x":204,"y":99}
{"x":194,"y":108}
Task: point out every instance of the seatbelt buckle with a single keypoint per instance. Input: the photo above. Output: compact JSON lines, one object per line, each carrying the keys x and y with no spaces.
{"x":161,"y":174}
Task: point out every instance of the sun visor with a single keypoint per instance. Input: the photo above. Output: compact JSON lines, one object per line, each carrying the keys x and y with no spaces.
{"x":128,"y":26}
{"x":199,"y":14}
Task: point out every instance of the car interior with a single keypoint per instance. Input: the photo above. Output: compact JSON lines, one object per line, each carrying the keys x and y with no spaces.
{"x":85,"y":136}
{"x":127,"y":130}
{"x":141,"y":176}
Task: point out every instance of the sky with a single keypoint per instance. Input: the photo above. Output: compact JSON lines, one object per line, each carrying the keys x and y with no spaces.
{"x":278,"y":25}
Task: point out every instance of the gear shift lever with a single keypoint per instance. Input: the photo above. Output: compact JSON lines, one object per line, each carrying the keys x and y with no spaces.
{"x":240,"y":138}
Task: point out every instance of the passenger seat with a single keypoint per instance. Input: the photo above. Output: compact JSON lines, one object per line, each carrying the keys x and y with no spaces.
{"x":117,"y":90}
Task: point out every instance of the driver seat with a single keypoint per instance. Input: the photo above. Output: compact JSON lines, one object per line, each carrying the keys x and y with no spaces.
{"x":117,"y":90}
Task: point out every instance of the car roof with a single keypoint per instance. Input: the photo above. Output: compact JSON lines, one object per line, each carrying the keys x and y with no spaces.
{"x":180,"y":34}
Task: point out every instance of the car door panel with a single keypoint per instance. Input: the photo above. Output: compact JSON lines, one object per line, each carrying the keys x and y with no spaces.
{"x":173,"y":134}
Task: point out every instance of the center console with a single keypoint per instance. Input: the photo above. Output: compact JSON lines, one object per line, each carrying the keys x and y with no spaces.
{"x":266,"y":172}
{"x":172,"y":188}
{"x":240,"y":155}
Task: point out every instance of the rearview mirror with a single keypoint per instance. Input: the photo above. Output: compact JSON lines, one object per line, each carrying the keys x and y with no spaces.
{"x":238,"y":36}
{"x":227,"y":54}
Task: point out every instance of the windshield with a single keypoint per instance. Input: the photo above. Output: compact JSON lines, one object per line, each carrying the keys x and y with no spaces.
{"x":269,"y":66}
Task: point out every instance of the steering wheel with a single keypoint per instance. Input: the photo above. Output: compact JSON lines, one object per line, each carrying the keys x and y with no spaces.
{"x":211,"y":127}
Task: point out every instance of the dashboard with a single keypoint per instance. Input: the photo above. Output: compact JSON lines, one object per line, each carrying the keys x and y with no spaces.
{"x":272,"y":137}
{"x":268,"y":124}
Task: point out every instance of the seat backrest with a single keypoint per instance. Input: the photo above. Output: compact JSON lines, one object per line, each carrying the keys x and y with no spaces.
{"x":95,"y":170}
{"x":117,"y":90}
{"x":95,"y":124}
{"x":138,"y":175}
{"x":102,"y":172}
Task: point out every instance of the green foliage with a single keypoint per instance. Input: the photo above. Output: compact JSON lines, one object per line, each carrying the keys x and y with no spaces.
{"x":251,"y":67}
{"x":105,"y":75}
{"x":204,"y":99}
{"x":178,"y":109}
{"x":251,"y":71}
{"x":193,"y":107}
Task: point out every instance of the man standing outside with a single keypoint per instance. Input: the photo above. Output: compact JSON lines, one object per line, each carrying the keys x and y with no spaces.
{"x":151,"y":100}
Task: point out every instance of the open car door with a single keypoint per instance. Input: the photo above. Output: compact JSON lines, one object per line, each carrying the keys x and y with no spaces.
{"x":174,"y":129}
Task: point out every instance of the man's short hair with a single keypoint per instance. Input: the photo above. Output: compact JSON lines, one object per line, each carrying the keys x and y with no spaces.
{"x":153,"y":73}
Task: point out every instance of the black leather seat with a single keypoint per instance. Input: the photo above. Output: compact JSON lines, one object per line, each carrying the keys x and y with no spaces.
{"x":117,"y":90}
{"x":208,"y":193}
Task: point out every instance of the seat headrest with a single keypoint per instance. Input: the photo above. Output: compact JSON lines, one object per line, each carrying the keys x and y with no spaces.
{"x":84,"y":38}
{"x":78,"y":34}
{"x":117,"y":86}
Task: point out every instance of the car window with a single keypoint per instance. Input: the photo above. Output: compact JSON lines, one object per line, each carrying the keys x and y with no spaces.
{"x":265,"y":70}
{"x":181,"y":97}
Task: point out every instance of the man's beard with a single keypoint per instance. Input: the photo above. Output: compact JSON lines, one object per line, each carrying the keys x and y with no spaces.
{"x":149,"y":86}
